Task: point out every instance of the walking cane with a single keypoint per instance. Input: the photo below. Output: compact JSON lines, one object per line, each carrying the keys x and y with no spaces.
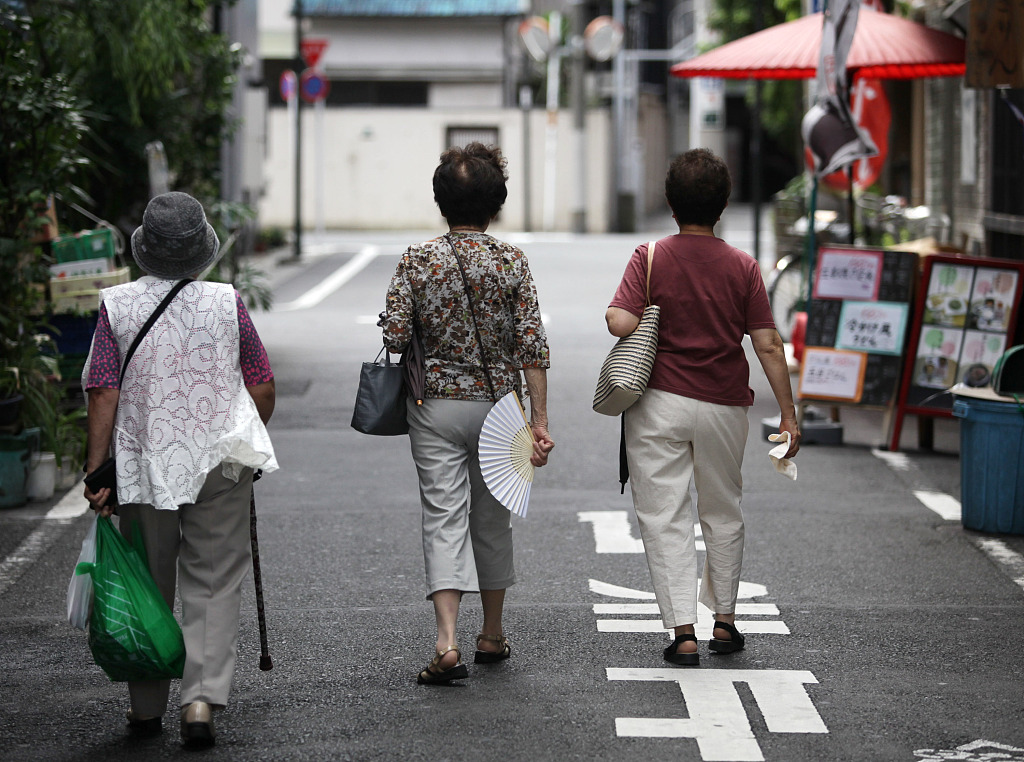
{"x":265,"y":661}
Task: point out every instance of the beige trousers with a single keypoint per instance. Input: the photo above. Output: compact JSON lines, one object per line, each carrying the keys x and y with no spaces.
{"x":467,"y":534}
{"x":207,"y":546}
{"x":669,"y":440}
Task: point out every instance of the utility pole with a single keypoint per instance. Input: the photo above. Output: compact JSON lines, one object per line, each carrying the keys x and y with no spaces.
{"x":579,"y":198}
{"x":298,"y":135}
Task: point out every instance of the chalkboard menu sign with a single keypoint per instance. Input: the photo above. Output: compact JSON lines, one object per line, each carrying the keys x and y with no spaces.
{"x":964,"y":320}
{"x":857,"y":323}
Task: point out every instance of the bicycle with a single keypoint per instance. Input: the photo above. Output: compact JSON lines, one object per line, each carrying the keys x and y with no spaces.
{"x":885,"y":221}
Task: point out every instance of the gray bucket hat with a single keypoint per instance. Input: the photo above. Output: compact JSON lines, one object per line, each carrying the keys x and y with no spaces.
{"x":174,"y":239}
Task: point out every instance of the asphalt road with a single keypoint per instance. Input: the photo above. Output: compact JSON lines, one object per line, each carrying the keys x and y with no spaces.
{"x":877,"y":629}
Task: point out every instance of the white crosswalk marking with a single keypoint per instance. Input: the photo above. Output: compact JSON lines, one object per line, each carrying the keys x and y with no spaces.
{"x":703,"y":626}
{"x":748,"y":609}
{"x":717,"y":720}
{"x":614,"y":534}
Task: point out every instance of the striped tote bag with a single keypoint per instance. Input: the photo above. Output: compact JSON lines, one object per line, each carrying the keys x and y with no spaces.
{"x":627,"y":368}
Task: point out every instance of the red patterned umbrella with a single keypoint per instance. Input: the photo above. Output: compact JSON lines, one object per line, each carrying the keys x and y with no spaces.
{"x":884,"y":47}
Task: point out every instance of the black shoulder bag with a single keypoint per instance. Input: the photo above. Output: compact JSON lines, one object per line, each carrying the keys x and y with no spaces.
{"x":106,"y":474}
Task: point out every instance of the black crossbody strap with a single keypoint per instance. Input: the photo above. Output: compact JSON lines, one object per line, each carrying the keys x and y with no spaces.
{"x":149,"y":324}
{"x":472,"y":312}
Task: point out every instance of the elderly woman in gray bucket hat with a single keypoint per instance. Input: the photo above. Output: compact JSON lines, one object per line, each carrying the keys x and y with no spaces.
{"x":185,"y":420}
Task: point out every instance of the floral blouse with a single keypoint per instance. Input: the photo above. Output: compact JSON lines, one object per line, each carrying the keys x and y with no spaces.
{"x":428,"y":288}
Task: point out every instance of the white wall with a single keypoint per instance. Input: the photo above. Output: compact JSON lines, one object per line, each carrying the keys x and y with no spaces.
{"x":430,"y":49}
{"x":377,"y":166}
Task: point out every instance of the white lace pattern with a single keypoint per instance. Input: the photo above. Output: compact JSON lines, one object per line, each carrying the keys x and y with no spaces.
{"x":183,"y":408}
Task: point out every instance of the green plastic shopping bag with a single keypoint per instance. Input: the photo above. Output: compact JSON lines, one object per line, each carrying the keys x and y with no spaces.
{"x":132,"y":633}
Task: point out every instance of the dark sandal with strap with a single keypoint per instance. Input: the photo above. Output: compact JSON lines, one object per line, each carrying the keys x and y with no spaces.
{"x":735,"y":643}
{"x":435,"y":675}
{"x":490,"y":657}
{"x":683,"y":660}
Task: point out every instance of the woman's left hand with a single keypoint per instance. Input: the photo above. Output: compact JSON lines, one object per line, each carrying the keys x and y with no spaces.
{"x":542,"y":445}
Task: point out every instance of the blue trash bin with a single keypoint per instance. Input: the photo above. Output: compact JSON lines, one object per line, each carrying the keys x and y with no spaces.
{"x":991,"y":467}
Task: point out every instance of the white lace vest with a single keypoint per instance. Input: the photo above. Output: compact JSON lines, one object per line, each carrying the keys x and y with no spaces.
{"x":183,"y":408}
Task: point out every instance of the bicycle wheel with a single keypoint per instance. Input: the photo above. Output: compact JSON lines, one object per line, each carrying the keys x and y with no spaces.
{"x":786,"y":292}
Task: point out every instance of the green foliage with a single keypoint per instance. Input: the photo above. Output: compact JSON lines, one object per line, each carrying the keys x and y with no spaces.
{"x":272,"y":237}
{"x":782,"y":100}
{"x":151,"y":70}
{"x":42,"y":124}
{"x":233,"y":222}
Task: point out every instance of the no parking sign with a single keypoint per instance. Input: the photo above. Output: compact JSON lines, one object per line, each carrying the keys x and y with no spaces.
{"x":288,"y":84}
{"x":313,"y":86}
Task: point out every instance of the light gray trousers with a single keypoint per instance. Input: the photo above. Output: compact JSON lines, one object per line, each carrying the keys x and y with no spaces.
{"x":207,"y":546}
{"x":467,"y":534}
{"x":669,"y":440}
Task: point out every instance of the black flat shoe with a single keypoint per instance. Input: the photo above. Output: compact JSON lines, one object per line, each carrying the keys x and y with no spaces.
{"x":197,"y":726}
{"x":735,"y":643}
{"x":150,"y":727}
{"x":683,"y":660}
{"x":490,"y":657}
{"x":435,"y":675}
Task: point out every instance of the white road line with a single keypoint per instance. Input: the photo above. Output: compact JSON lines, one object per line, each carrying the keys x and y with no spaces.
{"x":748,"y":609}
{"x":332,"y":282}
{"x":945,"y":506}
{"x":747,"y":590}
{"x":897,"y":461}
{"x":717,"y":719}
{"x":72,"y":505}
{"x":950,"y":509}
{"x":703,"y":628}
{"x":1002,"y":554}
{"x":615,"y":591}
{"x":614,"y":534}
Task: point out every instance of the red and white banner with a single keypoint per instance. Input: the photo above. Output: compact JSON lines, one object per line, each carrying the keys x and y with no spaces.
{"x":829,"y":130}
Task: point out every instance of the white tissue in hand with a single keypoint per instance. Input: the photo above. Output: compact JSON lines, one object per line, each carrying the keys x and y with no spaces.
{"x":777,"y":455}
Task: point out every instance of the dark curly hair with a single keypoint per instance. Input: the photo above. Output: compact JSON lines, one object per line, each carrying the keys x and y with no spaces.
{"x":469,"y":184}
{"x":697,"y":187}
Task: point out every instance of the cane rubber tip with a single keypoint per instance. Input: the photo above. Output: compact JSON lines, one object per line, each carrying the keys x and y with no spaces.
{"x":266,"y":664}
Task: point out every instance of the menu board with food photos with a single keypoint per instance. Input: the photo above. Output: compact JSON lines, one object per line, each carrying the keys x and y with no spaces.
{"x":964,"y":320}
{"x":857,"y":322}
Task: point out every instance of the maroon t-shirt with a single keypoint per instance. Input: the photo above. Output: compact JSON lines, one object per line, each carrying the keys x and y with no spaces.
{"x":710,"y":295}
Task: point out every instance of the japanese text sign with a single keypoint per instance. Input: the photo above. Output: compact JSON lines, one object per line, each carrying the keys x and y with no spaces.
{"x":832,"y":374}
{"x":876,"y":327}
{"x":846,"y":274}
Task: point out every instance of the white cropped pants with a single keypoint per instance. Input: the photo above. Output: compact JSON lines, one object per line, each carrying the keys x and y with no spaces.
{"x":669,"y":440}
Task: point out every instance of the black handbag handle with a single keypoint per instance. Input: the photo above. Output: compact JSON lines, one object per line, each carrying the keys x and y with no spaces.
{"x":472,"y":312}
{"x":149,"y":324}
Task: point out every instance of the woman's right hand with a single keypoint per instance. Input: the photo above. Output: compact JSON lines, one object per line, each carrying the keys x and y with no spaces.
{"x":98,"y":501}
{"x":790,"y":425}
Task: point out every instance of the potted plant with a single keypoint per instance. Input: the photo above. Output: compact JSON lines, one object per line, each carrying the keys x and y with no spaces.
{"x":65,"y":436}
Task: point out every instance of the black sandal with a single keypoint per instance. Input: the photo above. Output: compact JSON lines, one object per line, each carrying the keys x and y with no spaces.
{"x":490,"y":657}
{"x":683,"y":660}
{"x":435,"y":675}
{"x":735,"y":643}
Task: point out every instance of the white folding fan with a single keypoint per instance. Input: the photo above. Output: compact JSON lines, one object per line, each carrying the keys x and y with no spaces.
{"x":506,"y":444}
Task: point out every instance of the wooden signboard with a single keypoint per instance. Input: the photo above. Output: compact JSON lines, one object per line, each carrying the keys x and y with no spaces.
{"x":964,"y":320}
{"x":856,"y":327}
